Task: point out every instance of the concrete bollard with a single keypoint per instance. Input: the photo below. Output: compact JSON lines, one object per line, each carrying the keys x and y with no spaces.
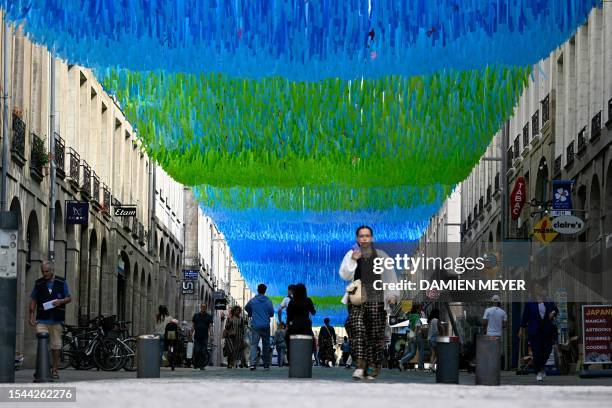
{"x":488,"y":360}
{"x":300,"y":356}
{"x":148,"y":356}
{"x":43,"y":364}
{"x":447,"y":370}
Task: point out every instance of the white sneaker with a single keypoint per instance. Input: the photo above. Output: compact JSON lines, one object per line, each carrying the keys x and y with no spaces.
{"x":543,"y":373}
{"x":358,"y":374}
{"x":329,"y":363}
{"x":539,"y":377}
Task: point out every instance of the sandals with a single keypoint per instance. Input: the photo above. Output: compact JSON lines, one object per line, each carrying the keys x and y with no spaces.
{"x":55,"y":375}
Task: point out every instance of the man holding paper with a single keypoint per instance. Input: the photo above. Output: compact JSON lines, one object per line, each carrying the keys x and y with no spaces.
{"x":49,"y":298}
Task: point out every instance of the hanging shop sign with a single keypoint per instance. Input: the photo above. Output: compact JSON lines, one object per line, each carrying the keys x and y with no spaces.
{"x":562,"y":194}
{"x":190,"y":274}
{"x":597,"y":334}
{"x":188,"y":287}
{"x":517,"y":198}
{"x":124,"y":211}
{"x":543,"y":230}
{"x":568,"y":224}
{"x":77,"y":213}
{"x":220,"y":300}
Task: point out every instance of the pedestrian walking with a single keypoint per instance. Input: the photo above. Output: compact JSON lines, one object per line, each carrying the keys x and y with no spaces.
{"x":367,"y":307}
{"x":327,"y":341}
{"x":346,"y":349}
{"x":299,"y":314}
{"x":202,"y":324}
{"x":171,"y":339}
{"x":281,"y":345}
{"x":435,"y":328}
{"x":260,"y":310}
{"x":48,"y":301}
{"x":161,"y":320}
{"x":538,"y":320}
{"x":285,"y":302}
{"x":495,"y":318}
{"x":234,"y":337}
{"x":411,"y":347}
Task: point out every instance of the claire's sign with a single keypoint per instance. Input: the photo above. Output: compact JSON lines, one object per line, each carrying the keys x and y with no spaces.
{"x":567,"y":224}
{"x":517,"y":198}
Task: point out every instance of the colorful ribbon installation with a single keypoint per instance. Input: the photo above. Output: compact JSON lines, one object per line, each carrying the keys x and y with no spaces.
{"x":296,"y":121}
{"x":298,"y":39}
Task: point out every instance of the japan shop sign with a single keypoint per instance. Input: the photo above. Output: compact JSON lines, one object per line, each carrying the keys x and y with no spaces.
{"x":517,"y":198}
{"x":124,"y":211}
{"x":77,"y":213}
{"x":568,"y":224}
{"x":597,"y":334}
{"x":562,"y":194}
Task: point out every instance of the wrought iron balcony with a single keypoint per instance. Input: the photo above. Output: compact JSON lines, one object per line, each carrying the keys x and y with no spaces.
{"x":535,"y":123}
{"x":609,"y":122}
{"x":509,"y":157}
{"x":141,"y":234}
{"x":134,"y":229}
{"x":18,"y":140}
{"x":60,"y":156}
{"x":517,"y":146}
{"x":526,"y":135}
{"x":581,"y":141}
{"x":489,"y":193}
{"x":569,"y":154}
{"x":557,"y":169}
{"x":127,"y":223}
{"x":86,"y":179}
{"x":75,"y":162}
{"x":38,"y":157}
{"x":545,"y":109}
{"x":481,"y":206}
{"x":596,"y":126}
{"x":106,"y":199}
{"x":497,"y":186}
{"x":95,"y":187}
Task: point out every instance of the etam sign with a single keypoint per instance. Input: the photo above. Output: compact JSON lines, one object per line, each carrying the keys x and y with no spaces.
{"x":125,"y":211}
{"x":567,"y":224}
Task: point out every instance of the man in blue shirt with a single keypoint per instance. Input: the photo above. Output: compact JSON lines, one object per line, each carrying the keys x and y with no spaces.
{"x":260,"y":311}
{"x":48,"y":300}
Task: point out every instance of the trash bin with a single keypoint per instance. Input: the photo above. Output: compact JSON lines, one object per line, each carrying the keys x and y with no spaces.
{"x":488,"y":360}
{"x":300,"y":356}
{"x":447,"y":369}
{"x":148,"y":356}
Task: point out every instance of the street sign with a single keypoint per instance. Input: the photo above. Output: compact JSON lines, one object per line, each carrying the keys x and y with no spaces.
{"x":597,"y":331}
{"x":190,"y":274}
{"x":562,"y":194}
{"x":188,"y":287}
{"x":77,"y":213}
{"x":543,"y":231}
{"x":219,"y":294}
{"x":124,"y":211}
{"x":518,"y":197}
{"x":568,"y":224}
{"x":220,"y":304}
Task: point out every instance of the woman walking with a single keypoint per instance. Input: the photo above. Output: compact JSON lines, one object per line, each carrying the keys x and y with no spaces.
{"x":327,"y":341}
{"x":234,"y":337}
{"x":161,"y":320}
{"x":299,"y":311}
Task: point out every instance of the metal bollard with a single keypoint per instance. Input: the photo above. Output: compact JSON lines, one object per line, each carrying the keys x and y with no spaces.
{"x":488,"y":360}
{"x":300,"y":356}
{"x":447,"y":370}
{"x":43,"y":365}
{"x":148,"y":356}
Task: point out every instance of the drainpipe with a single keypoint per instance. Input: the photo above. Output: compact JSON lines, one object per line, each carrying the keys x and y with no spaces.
{"x":52,"y":165}
{"x":5,"y":131}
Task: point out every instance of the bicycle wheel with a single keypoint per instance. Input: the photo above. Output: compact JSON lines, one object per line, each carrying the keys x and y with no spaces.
{"x":66,"y":353}
{"x":107,"y":355}
{"x":131,"y":357}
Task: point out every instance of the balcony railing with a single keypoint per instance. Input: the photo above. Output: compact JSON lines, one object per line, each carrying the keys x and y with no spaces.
{"x":74,"y":161}
{"x":134,"y":228}
{"x":569,"y":154}
{"x":581,"y":141}
{"x":509,"y":157}
{"x":517,"y":146}
{"x":557,"y":169}
{"x":141,"y":234}
{"x":475,"y":211}
{"x":106,"y":199}
{"x":18,"y":140}
{"x":127,"y":223}
{"x":38,"y":157}
{"x":86,"y":179}
{"x":545,"y":109}
{"x":596,"y":126}
{"x":95,"y":187}
{"x":489,"y":193}
{"x":535,"y":123}
{"x":497,"y":182}
{"x":526,"y":135}
{"x":609,"y":122}
{"x":60,"y":156}
{"x":481,"y":205}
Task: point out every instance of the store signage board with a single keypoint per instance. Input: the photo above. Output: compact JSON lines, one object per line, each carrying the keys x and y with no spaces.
{"x":517,"y":198}
{"x":188,"y":287}
{"x":597,"y":334}
{"x":543,"y":231}
{"x":568,"y":224}
{"x":124,"y":211}
{"x":190,"y":274}
{"x":77,"y":213}
{"x":562,"y":194}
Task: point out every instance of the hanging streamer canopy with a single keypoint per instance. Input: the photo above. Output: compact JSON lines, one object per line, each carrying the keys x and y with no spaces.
{"x":391,"y":131}
{"x":297,"y":39}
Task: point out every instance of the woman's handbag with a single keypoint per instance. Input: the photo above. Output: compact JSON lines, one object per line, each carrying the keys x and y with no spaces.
{"x":356,"y":295}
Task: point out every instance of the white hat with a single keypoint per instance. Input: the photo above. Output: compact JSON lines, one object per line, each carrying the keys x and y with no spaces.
{"x":496,"y":299}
